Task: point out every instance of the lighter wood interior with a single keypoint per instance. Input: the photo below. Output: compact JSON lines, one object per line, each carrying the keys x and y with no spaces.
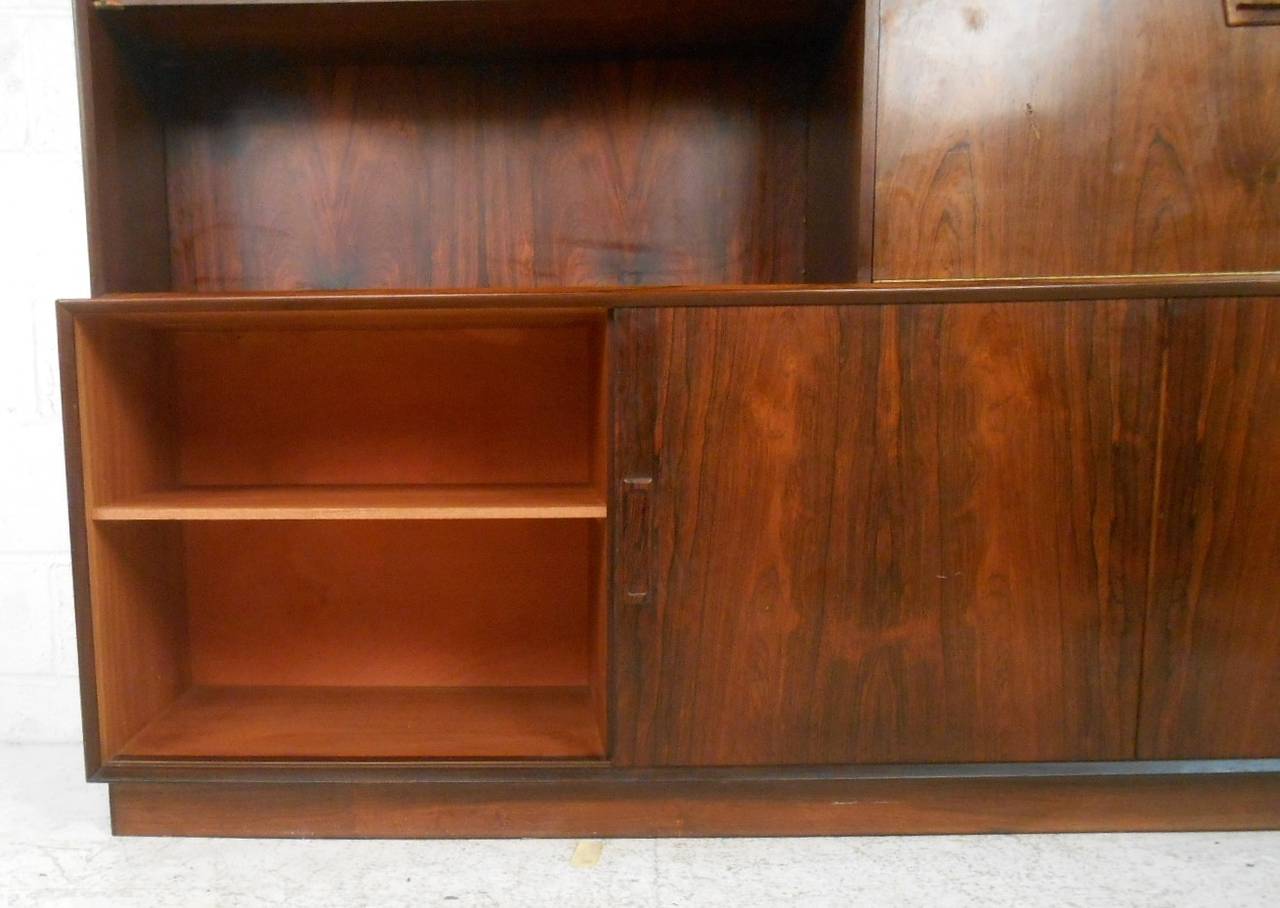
{"x":378,"y":723}
{"x":229,"y":416}
{"x":360,"y":503}
{"x":389,"y":603}
{"x":335,"y":639}
{"x":346,"y":542}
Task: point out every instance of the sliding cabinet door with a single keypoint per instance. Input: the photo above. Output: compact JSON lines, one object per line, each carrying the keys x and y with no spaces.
{"x":883,"y":534}
{"x":1211,"y":683}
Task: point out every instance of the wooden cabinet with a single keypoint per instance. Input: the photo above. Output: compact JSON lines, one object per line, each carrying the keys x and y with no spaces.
{"x":942,"y":534}
{"x":532,"y":418}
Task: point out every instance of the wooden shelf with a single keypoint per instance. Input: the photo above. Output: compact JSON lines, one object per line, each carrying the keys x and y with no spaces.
{"x":481,"y":306}
{"x":373,"y":723}
{"x":329,"y":29}
{"x":514,"y":502}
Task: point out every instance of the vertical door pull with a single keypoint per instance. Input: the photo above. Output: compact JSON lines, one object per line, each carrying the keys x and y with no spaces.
{"x":634,"y":553}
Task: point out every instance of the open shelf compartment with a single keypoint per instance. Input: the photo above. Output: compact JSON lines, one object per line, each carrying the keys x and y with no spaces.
{"x":345,"y":535}
{"x":405,"y":640}
{"x":473,"y":144}
{"x":380,"y":415}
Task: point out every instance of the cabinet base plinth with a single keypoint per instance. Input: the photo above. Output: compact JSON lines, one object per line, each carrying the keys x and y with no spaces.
{"x":599,"y":809}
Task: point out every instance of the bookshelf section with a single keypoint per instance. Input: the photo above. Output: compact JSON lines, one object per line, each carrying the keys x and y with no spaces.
{"x":342,"y":538}
{"x":389,"y":146}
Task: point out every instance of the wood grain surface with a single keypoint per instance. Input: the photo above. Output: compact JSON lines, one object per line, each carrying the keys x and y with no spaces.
{"x":1211,"y":682}
{"x":492,"y":406}
{"x":139,"y":652}
{"x":667,"y":171}
{"x":577,"y":810}
{"x":124,"y":163}
{"x":841,"y":148}
{"x":373,"y":722}
{"x":501,"y":603}
{"x":1088,"y":137}
{"x":895,"y":535}
{"x":496,"y":502}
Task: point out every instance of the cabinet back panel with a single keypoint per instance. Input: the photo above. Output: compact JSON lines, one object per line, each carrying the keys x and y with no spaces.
{"x":497,"y":405}
{"x":649,"y":171}
{"x":373,"y":603}
{"x":1089,"y":137}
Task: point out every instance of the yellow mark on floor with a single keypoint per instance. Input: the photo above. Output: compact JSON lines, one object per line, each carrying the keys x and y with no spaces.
{"x":587,"y":854}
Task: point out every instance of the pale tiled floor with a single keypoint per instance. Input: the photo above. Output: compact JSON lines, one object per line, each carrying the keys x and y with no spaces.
{"x":55,"y":850}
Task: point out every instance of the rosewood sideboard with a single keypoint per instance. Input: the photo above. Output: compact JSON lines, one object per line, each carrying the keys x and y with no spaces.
{"x":517,"y":417}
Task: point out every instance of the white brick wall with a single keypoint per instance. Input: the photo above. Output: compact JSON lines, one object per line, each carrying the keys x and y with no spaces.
{"x":42,"y":257}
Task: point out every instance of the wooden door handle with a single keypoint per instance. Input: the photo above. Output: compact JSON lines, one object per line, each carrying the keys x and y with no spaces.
{"x":634,"y":552}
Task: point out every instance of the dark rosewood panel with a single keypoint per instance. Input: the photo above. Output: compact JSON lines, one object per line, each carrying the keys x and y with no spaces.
{"x":894,"y":534}
{"x":841,"y":174}
{"x":664,"y":171}
{"x":1211,"y":684}
{"x":1083,"y":137}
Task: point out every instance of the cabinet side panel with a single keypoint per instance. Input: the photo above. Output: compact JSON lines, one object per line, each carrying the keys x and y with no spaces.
{"x":139,"y":626}
{"x":124,"y":165}
{"x":77,"y":520}
{"x":1212,"y":669}
{"x":134,"y":572}
{"x":841,"y":150}
{"x":899,"y":534}
{"x":1078,"y":138}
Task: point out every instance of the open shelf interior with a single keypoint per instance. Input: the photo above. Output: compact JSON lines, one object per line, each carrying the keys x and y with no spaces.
{"x":375,"y":722}
{"x":219,"y":418}
{"x":444,"y":145}
{"x":356,"y":640}
{"x":346,"y":536}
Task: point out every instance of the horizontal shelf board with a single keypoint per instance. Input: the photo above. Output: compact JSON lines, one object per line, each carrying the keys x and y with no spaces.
{"x":124,"y":4}
{"x":354,"y":317}
{"x":373,"y":722}
{"x":532,"y":304}
{"x":361,"y":503}
{"x":482,"y":27}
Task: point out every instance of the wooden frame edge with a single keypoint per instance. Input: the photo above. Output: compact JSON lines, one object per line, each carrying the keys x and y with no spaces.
{"x":73,"y":452}
{"x":865,"y":215}
{"x":1112,"y":803}
{"x":570,"y":300}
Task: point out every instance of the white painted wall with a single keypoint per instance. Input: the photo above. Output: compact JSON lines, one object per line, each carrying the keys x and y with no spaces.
{"x":42,"y":257}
